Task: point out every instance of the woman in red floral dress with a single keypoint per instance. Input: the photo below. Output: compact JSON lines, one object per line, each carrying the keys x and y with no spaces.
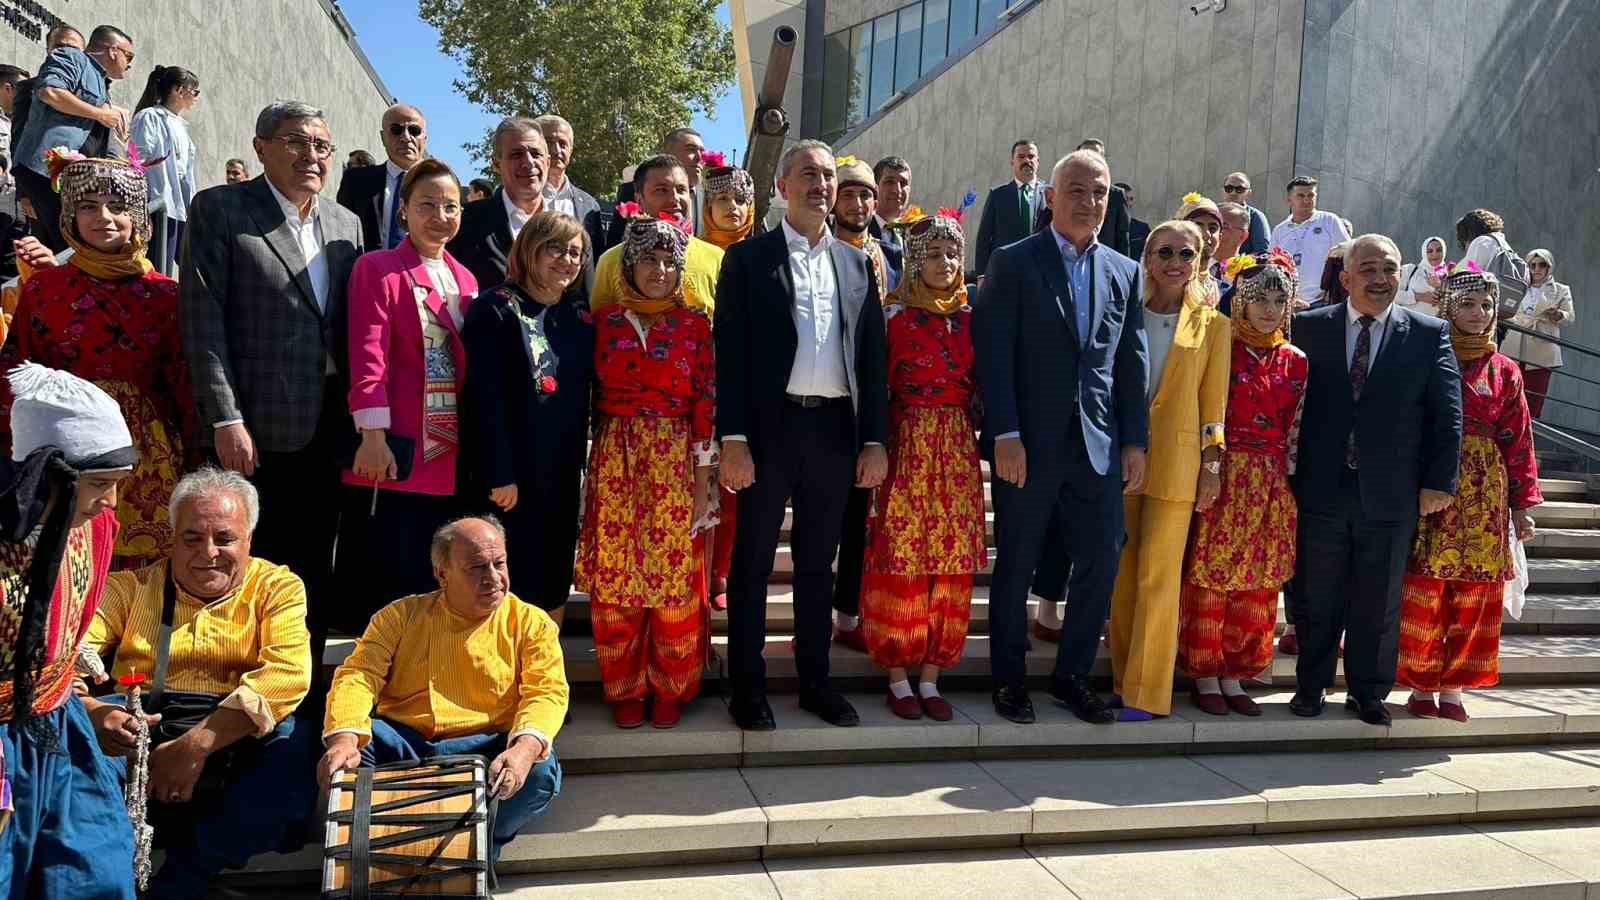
{"x":107,"y":317}
{"x":925,"y":539}
{"x":649,"y":484}
{"x":1450,"y":603}
{"x":1241,"y":549}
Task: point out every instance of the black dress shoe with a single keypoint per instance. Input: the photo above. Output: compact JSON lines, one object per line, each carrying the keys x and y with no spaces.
{"x":1306,"y":706}
{"x":753,"y":715}
{"x":830,"y":706}
{"x":1075,"y":694}
{"x":1372,"y":712}
{"x":1012,"y":704}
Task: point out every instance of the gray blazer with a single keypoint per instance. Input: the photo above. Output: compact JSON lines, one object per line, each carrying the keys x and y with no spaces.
{"x":257,"y":344}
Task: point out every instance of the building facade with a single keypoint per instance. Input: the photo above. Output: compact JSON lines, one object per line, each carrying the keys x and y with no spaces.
{"x":246,"y":53}
{"x":1409,"y":112}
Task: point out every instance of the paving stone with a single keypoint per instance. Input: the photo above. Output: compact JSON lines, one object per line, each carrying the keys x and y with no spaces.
{"x":1136,"y":793}
{"x":950,"y":875}
{"x":1243,"y":868}
{"x":735,"y":881}
{"x":1317,"y":787}
{"x":1058,"y":727}
{"x":705,"y":730}
{"x":881,"y":730}
{"x":1515,"y":780}
{"x":1276,"y":723}
{"x":1451,"y":861}
{"x":1493,"y":713}
{"x":1571,"y":845}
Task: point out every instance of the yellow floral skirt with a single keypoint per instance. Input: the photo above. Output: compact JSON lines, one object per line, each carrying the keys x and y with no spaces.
{"x":1467,"y":540}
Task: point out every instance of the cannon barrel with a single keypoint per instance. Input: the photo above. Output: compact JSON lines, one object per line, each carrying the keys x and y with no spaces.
{"x":771,"y":123}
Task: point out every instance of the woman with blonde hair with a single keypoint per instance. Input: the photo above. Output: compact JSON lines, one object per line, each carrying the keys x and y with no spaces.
{"x":1189,"y":347}
{"x":525,"y":407}
{"x":1545,"y":307}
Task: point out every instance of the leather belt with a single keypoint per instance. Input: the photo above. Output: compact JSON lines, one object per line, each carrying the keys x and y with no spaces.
{"x":809,"y":402}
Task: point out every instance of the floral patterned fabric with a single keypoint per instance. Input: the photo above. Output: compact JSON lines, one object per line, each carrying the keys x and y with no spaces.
{"x":668,"y":372}
{"x":1245,"y":541}
{"x":928,"y":514}
{"x":1467,"y":540}
{"x":122,"y":334}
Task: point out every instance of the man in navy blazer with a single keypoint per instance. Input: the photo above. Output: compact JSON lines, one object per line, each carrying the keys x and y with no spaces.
{"x":1063,"y":368}
{"x":1012,"y":209}
{"x":1380,"y":439}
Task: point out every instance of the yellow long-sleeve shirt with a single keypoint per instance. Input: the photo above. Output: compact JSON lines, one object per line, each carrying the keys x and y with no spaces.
{"x":701,"y":266}
{"x":252,"y":644}
{"x":425,"y":666}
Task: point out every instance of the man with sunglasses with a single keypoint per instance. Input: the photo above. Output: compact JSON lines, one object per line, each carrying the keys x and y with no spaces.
{"x":373,"y":192}
{"x":1236,"y":188}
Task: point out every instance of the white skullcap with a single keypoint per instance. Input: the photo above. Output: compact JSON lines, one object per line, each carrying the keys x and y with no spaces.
{"x":52,"y":408}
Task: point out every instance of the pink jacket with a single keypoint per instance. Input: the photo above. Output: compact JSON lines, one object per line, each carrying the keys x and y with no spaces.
{"x":387,"y":369}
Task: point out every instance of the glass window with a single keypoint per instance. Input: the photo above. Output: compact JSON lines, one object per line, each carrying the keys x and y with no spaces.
{"x":860,"y":72}
{"x":835,"y":81}
{"x":935,"y":23}
{"x":882,"y":83}
{"x":989,"y":11}
{"x":963,"y":23}
{"x":908,"y":49}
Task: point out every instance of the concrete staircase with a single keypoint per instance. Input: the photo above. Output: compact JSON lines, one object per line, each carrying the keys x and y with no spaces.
{"x":1189,"y":805}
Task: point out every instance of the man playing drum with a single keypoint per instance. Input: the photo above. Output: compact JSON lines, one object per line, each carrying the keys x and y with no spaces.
{"x":466,"y":669}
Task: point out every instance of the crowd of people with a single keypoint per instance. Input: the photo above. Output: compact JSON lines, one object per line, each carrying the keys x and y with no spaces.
{"x":422,"y":414}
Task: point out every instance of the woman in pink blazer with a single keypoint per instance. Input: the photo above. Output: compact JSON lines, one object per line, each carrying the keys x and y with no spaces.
{"x":407,"y":365}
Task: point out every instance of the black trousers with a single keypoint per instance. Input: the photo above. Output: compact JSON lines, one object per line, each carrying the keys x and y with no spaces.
{"x":46,"y":207}
{"x":383,"y":551}
{"x":542,"y":537}
{"x":1349,"y":571}
{"x":811,"y":461}
{"x":1090,"y":539}
{"x":1050,"y":579}
{"x":852,"y":553}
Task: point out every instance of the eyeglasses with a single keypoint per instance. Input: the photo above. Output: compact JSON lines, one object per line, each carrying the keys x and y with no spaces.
{"x":1166,"y":253}
{"x":304,"y":146}
{"x":570,"y":254}
{"x":428,"y":209}
{"x":411,"y":128}
{"x":1234,"y":189}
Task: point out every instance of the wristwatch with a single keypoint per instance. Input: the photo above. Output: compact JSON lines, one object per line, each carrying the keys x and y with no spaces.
{"x":1214,"y":467}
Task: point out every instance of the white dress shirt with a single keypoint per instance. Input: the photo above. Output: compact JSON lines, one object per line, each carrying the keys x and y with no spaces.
{"x":819,"y":367}
{"x":560,"y":199}
{"x":390,"y":197}
{"x":514,"y":215}
{"x":1352,"y":331}
{"x":308,"y":235}
{"x":1036,"y":201}
{"x":1309,"y":242}
{"x":1159,"y":331}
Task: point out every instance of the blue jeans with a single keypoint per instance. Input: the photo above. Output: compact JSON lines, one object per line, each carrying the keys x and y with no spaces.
{"x":392,"y":742}
{"x":69,"y":834}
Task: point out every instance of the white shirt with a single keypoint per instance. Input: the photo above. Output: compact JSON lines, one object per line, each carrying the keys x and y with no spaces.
{"x":1159,"y":330}
{"x":559,"y":199}
{"x":444,"y":281}
{"x":1483,"y":249}
{"x":514,"y":214}
{"x":697,"y":205}
{"x":390,"y":197}
{"x":819,"y":369}
{"x":162,"y":134}
{"x":308,"y":235}
{"x":1037,"y":187}
{"x":1352,"y":331}
{"x":1309,"y":242}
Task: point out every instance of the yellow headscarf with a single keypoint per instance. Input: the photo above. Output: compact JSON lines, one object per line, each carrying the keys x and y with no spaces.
{"x":76,"y":178}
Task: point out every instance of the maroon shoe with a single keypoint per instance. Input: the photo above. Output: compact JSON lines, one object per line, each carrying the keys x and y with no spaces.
{"x":1211,"y":704}
{"x":628,"y":713}
{"x":937,"y":708}
{"x":1422,"y":709}
{"x":905,"y":707}
{"x":1242,"y":704}
{"x":1455,"y":712}
{"x":665,"y":714}
{"x":1289,"y":644}
{"x":852,"y":639}
{"x":719,"y":602}
{"x":1048,"y":635}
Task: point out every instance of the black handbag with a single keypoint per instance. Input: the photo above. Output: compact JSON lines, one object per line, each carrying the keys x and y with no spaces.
{"x":183,"y":710}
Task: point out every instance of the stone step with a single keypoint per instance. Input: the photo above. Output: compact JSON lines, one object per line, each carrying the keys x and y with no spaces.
{"x":612,"y":821}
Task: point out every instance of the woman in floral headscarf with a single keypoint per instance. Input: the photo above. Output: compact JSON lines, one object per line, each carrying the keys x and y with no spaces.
{"x":108,"y":317}
{"x":1241,"y":549}
{"x":650,"y":488}
{"x":926,"y":538}
{"x":1450,"y":604}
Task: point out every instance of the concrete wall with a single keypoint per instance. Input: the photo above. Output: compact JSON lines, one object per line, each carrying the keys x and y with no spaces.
{"x":246,"y":53}
{"x":1412,"y":112}
{"x":1180,"y":100}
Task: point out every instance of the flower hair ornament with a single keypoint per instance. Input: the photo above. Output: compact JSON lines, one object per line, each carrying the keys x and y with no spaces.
{"x":712,"y":159}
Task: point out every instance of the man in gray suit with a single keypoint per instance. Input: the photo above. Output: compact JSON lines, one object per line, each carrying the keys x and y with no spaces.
{"x":262,"y":307}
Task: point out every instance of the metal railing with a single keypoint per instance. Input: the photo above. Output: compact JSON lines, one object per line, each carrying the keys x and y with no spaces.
{"x":1572,"y":440}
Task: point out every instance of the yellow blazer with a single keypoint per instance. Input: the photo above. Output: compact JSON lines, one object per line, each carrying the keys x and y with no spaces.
{"x":1190,"y":404}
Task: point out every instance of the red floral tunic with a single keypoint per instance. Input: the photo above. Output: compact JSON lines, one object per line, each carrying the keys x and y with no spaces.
{"x":1468,"y":540}
{"x":121,"y":334}
{"x":928,"y":516}
{"x":1245,"y":541}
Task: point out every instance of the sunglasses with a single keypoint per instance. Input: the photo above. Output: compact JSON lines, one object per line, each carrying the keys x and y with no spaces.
{"x":1538,"y":265}
{"x":410,"y":128}
{"x":1234,"y":189}
{"x":1167,"y":253}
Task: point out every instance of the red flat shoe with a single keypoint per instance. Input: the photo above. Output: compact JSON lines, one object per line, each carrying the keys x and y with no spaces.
{"x":1289,"y":644}
{"x":1242,"y":704}
{"x":1048,"y":635}
{"x":665,"y":714}
{"x":628,"y":713}
{"x":937,"y":708}
{"x":719,"y":602}
{"x":1455,"y":712}
{"x":905,"y":707}
{"x":1211,"y":704}
{"x":852,"y":639}
{"x":1422,"y":709}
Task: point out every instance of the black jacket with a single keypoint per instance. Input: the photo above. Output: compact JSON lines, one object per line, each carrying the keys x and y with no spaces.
{"x":361,"y":192}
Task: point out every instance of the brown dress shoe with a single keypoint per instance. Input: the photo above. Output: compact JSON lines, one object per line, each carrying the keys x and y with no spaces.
{"x":1211,"y":704}
{"x":1048,"y":635}
{"x":905,"y":707}
{"x":937,"y":708}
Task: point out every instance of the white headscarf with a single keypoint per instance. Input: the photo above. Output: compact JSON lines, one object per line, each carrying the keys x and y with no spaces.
{"x":52,"y":408}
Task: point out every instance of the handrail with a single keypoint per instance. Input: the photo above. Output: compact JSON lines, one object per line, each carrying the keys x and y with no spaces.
{"x":1567,"y":441}
{"x":1559,"y":342}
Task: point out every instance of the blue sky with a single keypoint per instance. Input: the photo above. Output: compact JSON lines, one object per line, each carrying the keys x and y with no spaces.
{"x":405,"y":51}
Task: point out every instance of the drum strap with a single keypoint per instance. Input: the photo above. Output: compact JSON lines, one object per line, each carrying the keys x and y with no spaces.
{"x":169,"y":606}
{"x":360,"y":838}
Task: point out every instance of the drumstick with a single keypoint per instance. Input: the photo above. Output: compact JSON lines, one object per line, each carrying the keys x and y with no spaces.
{"x":504,"y":776}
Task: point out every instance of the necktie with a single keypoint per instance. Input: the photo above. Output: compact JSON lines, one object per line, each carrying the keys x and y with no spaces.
{"x":1025,"y":205}
{"x":1358,"y":380}
{"x":395,"y":232}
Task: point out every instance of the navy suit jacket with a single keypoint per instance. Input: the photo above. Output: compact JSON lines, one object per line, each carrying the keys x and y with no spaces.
{"x":1407,"y":423}
{"x":1033,"y":375}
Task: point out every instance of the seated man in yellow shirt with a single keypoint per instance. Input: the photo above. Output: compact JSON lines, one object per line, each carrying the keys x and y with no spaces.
{"x":436,"y":668}
{"x":239,"y":780}
{"x":661,"y":185}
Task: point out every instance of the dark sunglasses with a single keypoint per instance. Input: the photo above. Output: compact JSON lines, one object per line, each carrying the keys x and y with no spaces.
{"x":410,"y":128}
{"x":1537,"y":264}
{"x":1234,"y":189}
{"x":1166,"y":253}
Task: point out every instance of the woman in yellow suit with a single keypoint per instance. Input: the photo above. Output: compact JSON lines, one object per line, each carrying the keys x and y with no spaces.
{"x":1189,"y":344}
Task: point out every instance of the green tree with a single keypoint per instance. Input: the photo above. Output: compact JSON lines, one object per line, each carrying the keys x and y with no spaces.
{"x":623,"y":72}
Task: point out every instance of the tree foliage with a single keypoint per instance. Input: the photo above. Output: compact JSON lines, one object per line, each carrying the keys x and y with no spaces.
{"x":623,"y":72}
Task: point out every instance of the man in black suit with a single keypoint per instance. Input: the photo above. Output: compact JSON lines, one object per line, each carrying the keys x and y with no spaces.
{"x":373,"y":192}
{"x":803,"y":413}
{"x":488,"y":227}
{"x":1012,"y":209}
{"x":1062,"y":366}
{"x":1379,"y":442}
{"x":893,"y":175}
{"x":1138,"y":229}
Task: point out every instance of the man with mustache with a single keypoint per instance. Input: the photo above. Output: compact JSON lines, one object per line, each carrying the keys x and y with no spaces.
{"x":661,"y":187}
{"x":1012,"y":209}
{"x":372,"y":192}
{"x":521,"y":158}
{"x":229,"y":763}
{"x":1379,"y":443}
